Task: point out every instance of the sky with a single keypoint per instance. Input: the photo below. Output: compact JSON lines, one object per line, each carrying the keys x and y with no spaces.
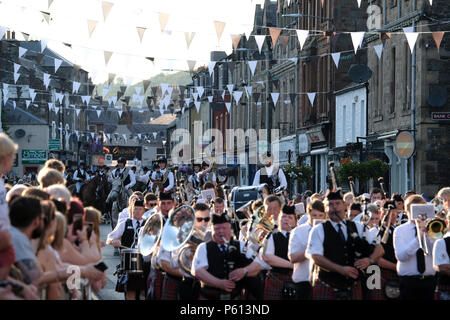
{"x":119,"y":34}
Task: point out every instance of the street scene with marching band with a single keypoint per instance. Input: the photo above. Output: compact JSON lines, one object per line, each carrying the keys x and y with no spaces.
{"x":241,"y":150}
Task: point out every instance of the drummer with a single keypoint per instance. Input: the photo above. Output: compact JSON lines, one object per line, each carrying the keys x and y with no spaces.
{"x":126,"y":236}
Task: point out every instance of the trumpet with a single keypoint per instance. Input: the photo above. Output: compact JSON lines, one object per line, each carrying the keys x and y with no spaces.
{"x":435,"y":228}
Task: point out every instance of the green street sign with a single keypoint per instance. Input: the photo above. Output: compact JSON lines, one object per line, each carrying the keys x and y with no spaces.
{"x":54,"y":145}
{"x":34,"y":156}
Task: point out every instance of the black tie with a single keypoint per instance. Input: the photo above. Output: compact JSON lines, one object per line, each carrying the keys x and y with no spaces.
{"x":287,"y":235}
{"x":420,"y":260}
{"x":341,"y":234}
{"x":222,"y":247}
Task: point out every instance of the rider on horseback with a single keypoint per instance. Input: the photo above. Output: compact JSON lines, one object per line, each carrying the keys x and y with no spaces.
{"x":168,"y":181}
{"x":125,"y":174}
{"x":81,"y":177}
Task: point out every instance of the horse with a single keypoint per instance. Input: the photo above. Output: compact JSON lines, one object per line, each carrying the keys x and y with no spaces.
{"x":118,"y":199}
{"x":90,"y":192}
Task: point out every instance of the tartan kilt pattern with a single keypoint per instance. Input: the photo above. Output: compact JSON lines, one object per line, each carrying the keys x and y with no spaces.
{"x":209,"y":293}
{"x":322,"y":291}
{"x":273,"y":286}
{"x":169,"y":288}
{"x":158,"y":285}
{"x":379,"y":294}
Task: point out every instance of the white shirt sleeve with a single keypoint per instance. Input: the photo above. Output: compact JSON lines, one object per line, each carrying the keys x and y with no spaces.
{"x":75,"y":176}
{"x":282,"y":178}
{"x":256,"y":179}
{"x":123,"y":215}
{"x":270,"y":249}
{"x":298,"y":241}
{"x":315,"y":241}
{"x":117,"y":233}
{"x":440,"y":255}
{"x":404,"y":245}
{"x":132,"y":180}
{"x":200,"y":258}
{"x":164,"y":255}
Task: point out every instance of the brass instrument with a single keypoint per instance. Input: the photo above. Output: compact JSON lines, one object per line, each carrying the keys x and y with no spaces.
{"x":150,"y":234}
{"x":422,"y":240}
{"x":436,"y":228}
{"x":263,"y":228}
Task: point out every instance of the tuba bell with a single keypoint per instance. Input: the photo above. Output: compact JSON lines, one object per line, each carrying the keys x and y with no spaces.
{"x":264,"y":226}
{"x":150,"y":234}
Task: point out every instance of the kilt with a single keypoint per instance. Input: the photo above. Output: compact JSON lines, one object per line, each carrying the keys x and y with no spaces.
{"x":273,"y":285}
{"x":322,"y":291}
{"x":441,"y":289}
{"x":210,"y":293}
{"x":379,"y":294}
{"x":136,"y":282}
{"x":170,"y":288}
{"x":154,"y":284}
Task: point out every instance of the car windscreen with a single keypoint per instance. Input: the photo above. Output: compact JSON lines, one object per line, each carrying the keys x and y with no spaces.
{"x":245,"y":196}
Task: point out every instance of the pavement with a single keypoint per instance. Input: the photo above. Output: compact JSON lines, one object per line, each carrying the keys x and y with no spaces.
{"x":109,"y":292}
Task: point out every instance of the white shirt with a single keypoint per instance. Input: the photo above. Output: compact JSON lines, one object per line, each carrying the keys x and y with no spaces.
{"x":169,"y":176}
{"x":317,"y":236}
{"x":117,"y":233}
{"x":270,"y":248}
{"x":5,"y":223}
{"x":201,"y":257}
{"x":440,"y":255}
{"x":116,"y":172}
{"x":123,"y":215}
{"x":303,"y":219}
{"x":297,"y":244}
{"x":281,"y":176}
{"x":406,"y":245}
{"x":172,"y":258}
{"x":143,"y":178}
{"x":81,"y":171}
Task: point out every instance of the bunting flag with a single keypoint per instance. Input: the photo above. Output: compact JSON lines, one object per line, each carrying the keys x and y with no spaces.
{"x":46,"y":80}
{"x":260,"y":41}
{"x":336,"y":57}
{"x":274,"y":34}
{"x":16,"y":67}
{"x":187,"y":101}
{"x":124,"y":137}
{"x":105,"y":92}
{"x":169,"y":91}
{"x":200,"y":91}
{"x":211,"y":66}
{"x":357,"y":39}
{"x":77,"y":111}
{"x":182,"y":110}
{"x":237,"y":96}
{"x":275,"y":96}
{"x":248,"y":89}
{"x":106,"y":7}
{"x":43,"y":44}
{"x":197,"y":105}
{"x":5,"y":99}
{"x":191,"y":65}
{"x":49,"y":3}
{"x":76,"y":86}
{"x":155,"y":134}
{"x":284,"y":41}
{"x":16,"y":77}
{"x":58,"y":63}
{"x":189,"y":36}
{"x":46,"y":16}
{"x":56,"y":109}
{"x":32,"y":94}
{"x":2,"y":32}
{"x":139,"y":136}
{"x":252,"y":65}
{"x":223,"y":95}
{"x":99,"y":112}
{"x":22,"y":51}
{"x":50,"y":105}
{"x":92,"y":24}
{"x":210,"y":99}
{"x":293,"y":96}
{"x":108,"y":55}
{"x":359,"y":3}
{"x":26,"y":36}
{"x":235,"y":38}
{"x":111,"y":77}
{"x":163,"y":18}
{"x":378,"y":50}
{"x":141,"y":31}
{"x":27,"y":103}
{"x":411,"y":36}
{"x":312,"y":97}
{"x":120,"y":113}
{"x":219,"y":29}
{"x":146,"y":84}
{"x":195,"y":95}
{"x":230,"y":88}
{"x":14,"y":105}
{"x":228,"y":105}
{"x":138,"y":90}
{"x":59,"y":97}
{"x":287,"y":101}
{"x":431,"y":2}
{"x":86,"y":99}
{"x":437,"y":36}
{"x":302,"y":35}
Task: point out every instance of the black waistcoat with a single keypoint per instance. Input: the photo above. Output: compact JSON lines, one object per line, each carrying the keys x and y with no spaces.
{"x":338,"y":252}
{"x":81,"y":175}
{"x":263,"y":178}
{"x":129,"y":235}
{"x":217,"y":260}
{"x":389,"y":253}
{"x":444,"y":279}
{"x":281,"y":244}
{"x":127,"y":179}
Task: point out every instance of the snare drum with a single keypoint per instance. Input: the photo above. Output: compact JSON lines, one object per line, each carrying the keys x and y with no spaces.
{"x":131,"y":261}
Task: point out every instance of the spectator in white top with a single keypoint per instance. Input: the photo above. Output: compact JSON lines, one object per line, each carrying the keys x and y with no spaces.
{"x":297,"y":249}
{"x":417,"y":281}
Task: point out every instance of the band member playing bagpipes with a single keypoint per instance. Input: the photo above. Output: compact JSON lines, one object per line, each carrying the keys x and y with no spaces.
{"x":389,"y":278}
{"x":297,"y":249}
{"x":125,"y":236}
{"x":335,"y":247}
{"x":221,"y":264}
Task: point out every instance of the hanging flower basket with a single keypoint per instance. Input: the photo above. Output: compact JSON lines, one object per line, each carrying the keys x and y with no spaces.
{"x":300,"y":173}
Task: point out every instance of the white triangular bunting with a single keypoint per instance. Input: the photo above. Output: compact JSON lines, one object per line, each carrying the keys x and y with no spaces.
{"x":154,"y":135}
{"x":260,"y":41}
{"x":106,"y":6}
{"x":124,"y":137}
{"x":200,"y":91}
{"x":336,"y":57}
{"x":252,"y":65}
{"x":27,"y":103}
{"x":312,"y":97}
{"x":16,"y":67}
{"x":219,"y":29}
{"x":230,"y":88}
{"x":211,"y":66}
{"x":210,"y":99}
{"x":164,"y":88}
{"x":14,"y":105}
{"x":5,"y":99}
{"x":187,"y":101}
{"x":22,"y":51}
{"x":141,"y":32}
{"x":107,"y":55}
{"x":248,"y":89}
{"x":56,"y":109}
{"x":2,"y":32}
{"x":76,"y":86}
{"x":379,"y":50}
{"x":50,"y":105}
{"x":275,"y":96}
{"x":189,"y":36}
{"x":197,"y":106}
{"x":58,"y":63}
{"x":228,"y":105}
{"x":411,"y":36}
{"x":99,"y":112}
{"x":91,"y":26}
{"x":46,"y":80}
{"x":43,"y":44}
{"x":32,"y":94}
{"x":302,"y":35}
{"x":195,"y":95}
{"x":357,"y":39}
{"x":16,"y":77}
{"x":223,"y":95}
{"x":237,"y":96}
{"x":120,"y":113}
{"x":77,"y":111}
{"x":359,"y":3}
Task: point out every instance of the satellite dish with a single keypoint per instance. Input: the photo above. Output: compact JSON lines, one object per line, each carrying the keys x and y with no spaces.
{"x":437,"y":96}
{"x":20,"y":133}
{"x":360,"y":73}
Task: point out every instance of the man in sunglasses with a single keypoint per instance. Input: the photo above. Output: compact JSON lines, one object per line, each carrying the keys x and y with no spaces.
{"x":151,"y":204}
{"x":202,"y":216}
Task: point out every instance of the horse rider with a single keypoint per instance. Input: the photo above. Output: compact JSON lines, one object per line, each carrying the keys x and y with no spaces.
{"x":166,"y":175}
{"x":271,"y":175}
{"x":80,"y":177}
{"x":125,"y":174}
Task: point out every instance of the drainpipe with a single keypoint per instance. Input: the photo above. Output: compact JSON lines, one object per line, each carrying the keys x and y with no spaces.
{"x":413,"y":103}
